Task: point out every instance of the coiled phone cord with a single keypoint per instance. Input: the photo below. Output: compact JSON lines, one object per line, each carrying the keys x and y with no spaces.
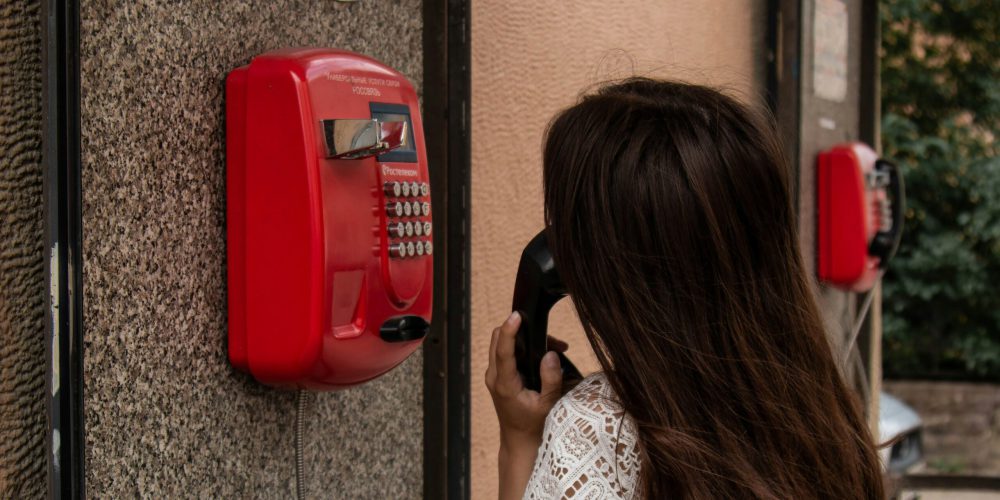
{"x":301,"y":402}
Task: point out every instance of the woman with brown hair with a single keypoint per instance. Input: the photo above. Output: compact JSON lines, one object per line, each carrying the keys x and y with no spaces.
{"x":669,"y":214}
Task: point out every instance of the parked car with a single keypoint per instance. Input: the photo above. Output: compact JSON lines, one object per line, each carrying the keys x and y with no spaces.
{"x":900,"y":424}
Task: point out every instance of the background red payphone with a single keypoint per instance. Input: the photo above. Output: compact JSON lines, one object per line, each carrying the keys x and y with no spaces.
{"x":860,"y":201}
{"x":329,"y":231}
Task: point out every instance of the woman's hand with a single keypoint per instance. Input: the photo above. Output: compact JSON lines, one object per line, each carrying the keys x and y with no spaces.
{"x":521,"y":411}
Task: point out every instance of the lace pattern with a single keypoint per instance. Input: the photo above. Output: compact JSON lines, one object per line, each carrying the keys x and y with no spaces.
{"x":589,"y":447}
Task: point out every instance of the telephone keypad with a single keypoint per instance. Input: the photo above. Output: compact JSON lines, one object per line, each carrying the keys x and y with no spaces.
{"x":408,"y":227}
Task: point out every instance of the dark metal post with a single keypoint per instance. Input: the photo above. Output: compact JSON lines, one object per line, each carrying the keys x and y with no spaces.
{"x":63,"y":244}
{"x":447,"y":57}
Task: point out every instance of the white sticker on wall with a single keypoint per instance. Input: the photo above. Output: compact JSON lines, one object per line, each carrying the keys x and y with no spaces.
{"x":830,"y":38}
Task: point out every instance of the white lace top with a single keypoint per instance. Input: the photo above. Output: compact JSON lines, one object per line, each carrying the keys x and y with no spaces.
{"x":589,"y":448}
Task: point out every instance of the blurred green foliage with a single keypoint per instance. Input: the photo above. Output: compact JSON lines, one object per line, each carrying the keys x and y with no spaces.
{"x":941,"y":109}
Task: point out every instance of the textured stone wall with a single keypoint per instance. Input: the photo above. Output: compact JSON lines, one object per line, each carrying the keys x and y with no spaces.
{"x":166,"y":416}
{"x":22,"y":287}
{"x":530,"y":59}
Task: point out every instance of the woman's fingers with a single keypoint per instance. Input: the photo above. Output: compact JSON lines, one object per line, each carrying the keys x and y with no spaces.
{"x":491,"y":369}
{"x":507,"y":378}
{"x":552,"y":378}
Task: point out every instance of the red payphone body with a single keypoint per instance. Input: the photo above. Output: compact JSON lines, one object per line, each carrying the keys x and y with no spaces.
{"x":859,"y":202}
{"x":329,"y":230}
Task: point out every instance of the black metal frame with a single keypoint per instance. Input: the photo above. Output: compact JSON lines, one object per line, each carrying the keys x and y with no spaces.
{"x":63,"y":244}
{"x":784,"y":80}
{"x":446,"y":99}
{"x":869,"y":131}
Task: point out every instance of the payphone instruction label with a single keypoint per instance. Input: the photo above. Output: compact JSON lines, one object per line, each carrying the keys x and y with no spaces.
{"x":364,"y":85}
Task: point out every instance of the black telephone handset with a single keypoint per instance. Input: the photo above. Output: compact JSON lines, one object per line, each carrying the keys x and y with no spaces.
{"x":537,"y":288}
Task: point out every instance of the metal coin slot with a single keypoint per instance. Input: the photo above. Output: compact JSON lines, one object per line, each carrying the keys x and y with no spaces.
{"x":356,"y":139}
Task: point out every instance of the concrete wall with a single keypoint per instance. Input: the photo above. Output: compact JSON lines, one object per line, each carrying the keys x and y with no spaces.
{"x":824,"y":123}
{"x":166,"y":416}
{"x":531,"y":59}
{"x":827,"y":120}
{"x":961,"y":424}
{"x":22,"y":288}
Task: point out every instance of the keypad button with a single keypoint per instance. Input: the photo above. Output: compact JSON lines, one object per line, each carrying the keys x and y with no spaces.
{"x":410,"y":249}
{"x":396,"y":230}
{"x":420,"y":248}
{"x":416,"y":208}
{"x":414,"y":188}
{"x":428,"y":248}
{"x":397,"y":250}
{"x":425,"y":208}
{"x":424,"y":189}
{"x":427,"y":229}
{"x":418,"y":228}
{"x":406,"y":189}
{"x":407,"y":209}
{"x":392,"y":189}
{"x":396,"y":209}
{"x":409,"y":229}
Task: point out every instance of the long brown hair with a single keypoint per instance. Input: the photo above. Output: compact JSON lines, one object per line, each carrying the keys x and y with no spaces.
{"x":670,"y":220}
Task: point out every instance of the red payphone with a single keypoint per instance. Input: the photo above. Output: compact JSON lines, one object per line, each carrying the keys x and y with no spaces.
{"x":859,"y":208}
{"x":330,"y":266}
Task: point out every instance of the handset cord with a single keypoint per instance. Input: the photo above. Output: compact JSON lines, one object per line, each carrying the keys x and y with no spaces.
{"x":300,"y":424}
{"x":859,"y":323}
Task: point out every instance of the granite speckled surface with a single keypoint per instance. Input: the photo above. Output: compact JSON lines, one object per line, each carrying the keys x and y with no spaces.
{"x":22,"y":278}
{"x":166,"y":416}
